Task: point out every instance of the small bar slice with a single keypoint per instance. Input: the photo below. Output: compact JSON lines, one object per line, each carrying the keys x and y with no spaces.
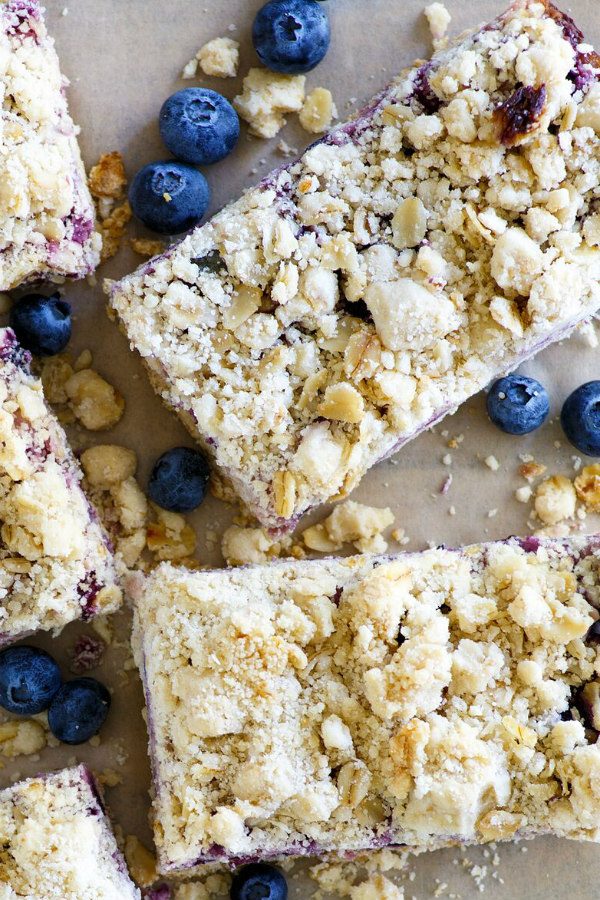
{"x":358,"y":295}
{"x":443,"y":697}
{"x":57,"y":841}
{"x":46,"y":212}
{"x":56,"y":562}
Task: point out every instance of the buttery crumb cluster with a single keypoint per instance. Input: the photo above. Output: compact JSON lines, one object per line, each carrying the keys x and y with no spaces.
{"x":55,"y":562}
{"x":79,"y":393}
{"x":133,"y":523}
{"x":359,"y":294}
{"x":344,"y":704}
{"x":108,"y":181}
{"x":46,"y":214}
{"x":56,"y":842}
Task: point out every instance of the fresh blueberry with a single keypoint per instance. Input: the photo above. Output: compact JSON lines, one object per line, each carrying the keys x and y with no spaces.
{"x":517,"y":404}
{"x":258,"y":881}
{"x":29,"y":679}
{"x":179,"y":480}
{"x":593,"y":634}
{"x":78,"y":710}
{"x":199,"y":126}
{"x":42,"y":324}
{"x":580,"y":418}
{"x":291,"y":36}
{"x":169,"y":197}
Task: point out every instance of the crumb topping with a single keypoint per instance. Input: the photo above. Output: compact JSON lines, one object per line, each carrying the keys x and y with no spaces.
{"x":46,"y":213}
{"x":353,"y":703}
{"x":57,"y":841}
{"x":55,"y":563}
{"x":358,"y":295}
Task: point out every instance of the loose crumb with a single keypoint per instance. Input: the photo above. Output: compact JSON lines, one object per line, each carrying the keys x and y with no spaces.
{"x":530,"y":470}
{"x":438,"y":19}
{"x":523,"y":494}
{"x":146,"y":246}
{"x":555,"y":500}
{"x":318,"y":111}
{"x":219,"y":58}
{"x":350,"y":522}
{"x":266,"y":97}
{"x":284,"y":149}
{"x":140,"y":861}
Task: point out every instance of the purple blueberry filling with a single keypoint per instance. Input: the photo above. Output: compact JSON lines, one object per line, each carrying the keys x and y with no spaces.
{"x":19,"y":13}
{"x":82,"y":229}
{"x":520,"y":113}
{"x":86,"y":654}
{"x":88,"y":778}
{"x":423,"y":93}
{"x":12,"y":352}
{"x":88,"y":590}
{"x":585,"y":63}
{"x":162,"y":892}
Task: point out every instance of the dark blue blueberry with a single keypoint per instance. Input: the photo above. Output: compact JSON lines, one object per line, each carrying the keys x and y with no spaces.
{"x":78,"y":710}
{"x":517,"y":404}
{"x":199,"y":126}
{"x":593,"y":634}
{"x":29,"y":679}
{"x":291,"y":36}
{"x":179,"y":480}
{"x":169,"y":197}
{"x":258,"y":881}
{"x":580,"y":418}
{"x":42,"y":324}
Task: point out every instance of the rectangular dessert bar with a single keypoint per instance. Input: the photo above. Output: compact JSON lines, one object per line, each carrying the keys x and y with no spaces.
{"x":358,"y":295}
{"x":344,"y":704}
{"x":56,"y":563}
{"x":57,"y":841}
{"x":46,"y":212}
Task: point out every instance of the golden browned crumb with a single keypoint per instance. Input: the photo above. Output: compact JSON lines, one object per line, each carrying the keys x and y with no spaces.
{"x":531,"y":470}
{"x":140,"y":861}
{"x":146,"y":246}
{"x":107,"y":178}
{"x":95,"y":402}
{"x":169,"y":536}
{"x":21,"y":737}
{"x":112,"y":229}
{"x":587,"y":485}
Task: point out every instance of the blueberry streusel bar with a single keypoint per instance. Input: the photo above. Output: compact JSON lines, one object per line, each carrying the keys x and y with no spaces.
{"x":57,"y":842}
{"x":359,"y":294}
{"x":336,"y":705}
{"x":46,"y":212}
{"x":56,"y":563}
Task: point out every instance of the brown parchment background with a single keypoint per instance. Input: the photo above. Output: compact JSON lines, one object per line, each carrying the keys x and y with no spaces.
{"x":124,"y":57}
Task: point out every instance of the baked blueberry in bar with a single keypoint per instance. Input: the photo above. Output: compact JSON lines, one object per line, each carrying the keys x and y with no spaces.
{"x":358,"y":295}
{"x":46,"y":212}
{"x":440,"y":697}
{"x":56,"y":563}
{"x":57,"y":841}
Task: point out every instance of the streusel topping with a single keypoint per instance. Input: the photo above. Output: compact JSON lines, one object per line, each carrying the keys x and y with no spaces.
{"x":56,"y":842}
{"x":353,"y":703}
{"x":55,"y":562}
{"x":359,"y":294}
{"x":46,"y":213}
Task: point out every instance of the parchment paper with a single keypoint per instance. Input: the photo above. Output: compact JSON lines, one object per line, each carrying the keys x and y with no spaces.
{"x":124,"y":57}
